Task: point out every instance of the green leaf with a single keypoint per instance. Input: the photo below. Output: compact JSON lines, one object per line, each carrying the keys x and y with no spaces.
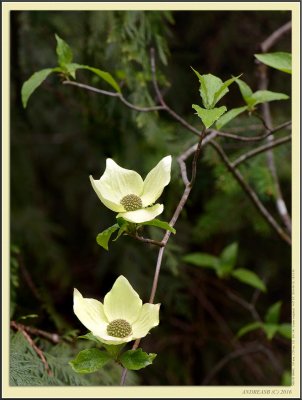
{"x":224,"y":89}
{"x":102,"y":74}
{"x":89,"y":360}
{"x":249,"y":277}
{"x":270,"y":330}
{"x":228,"y":116}
{"x":285,"y":330}
{"x":160,"y":224}
{"x":103,"y":237}
{"x":33,"y":82}
{"x":209,"y":85}
{"x":245,"y":90}
{"x":279,"y":60}
{"x":202,"y":260}
{"x":71,"y":69}
{"x":208,"y":117}
{"x":264,"y":96}
{"x":64,"y":52}
{"x":114,"y":349}
{"x":229,"y":255}
{"x":89,"y":336}
{"x":249,"y":328}
{"x":136,"y":359}
{"x":227,"y":260}
{"x":273,"y":313}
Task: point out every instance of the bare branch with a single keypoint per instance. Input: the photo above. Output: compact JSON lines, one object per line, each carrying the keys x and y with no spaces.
{"x":251,"y":194}
{"x":53,"y":337}
{"x":39,"y":352}
{"x":146,"y":240}
{"x":113,"y":94}
{"x":253,"y":138}
{"x":260,"y":150}
{"x":266,"y":119}
{"x":241,"y":352}
{"x":245,"y":304}
{"x":184,"y":198}
{"x":275,"y":36}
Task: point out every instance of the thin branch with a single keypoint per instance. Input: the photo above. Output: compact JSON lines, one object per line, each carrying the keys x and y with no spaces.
{"x":275,"y":36}
{"x":266,"y":119}
{"x":146,"y":240}
{"x":164,"y":241}
{"x":20,"y":328}
{"x":113,"y":94}
{"x":245,"y":304}
{"x":251,"y":194}
{"x":260,"y":150}
{"x":53,"y":337}
{"x":241,"y":352}
{"x":254,"y":138}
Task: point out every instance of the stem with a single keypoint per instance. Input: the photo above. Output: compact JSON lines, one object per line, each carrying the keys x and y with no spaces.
{"x":113,"y":94}
{"x":20,"y":328}
{"x":266,"y":119}
{"x":251,"y":194}
{"x":260,"y":150}
{"x":182,"y":202}
{"x":275,"y":36}
{"x":254,"y":138}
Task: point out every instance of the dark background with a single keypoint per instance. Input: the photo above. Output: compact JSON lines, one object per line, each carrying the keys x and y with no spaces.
{"x":65,"y":134}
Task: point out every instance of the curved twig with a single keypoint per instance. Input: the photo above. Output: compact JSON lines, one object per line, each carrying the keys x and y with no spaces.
{"x":251,"y":194}
{"x":260,"y":150}
{"x":113,"y":94}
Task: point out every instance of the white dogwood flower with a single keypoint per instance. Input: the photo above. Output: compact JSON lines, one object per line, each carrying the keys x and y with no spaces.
{"x":122,"y":318}
{"x":124,"y":191}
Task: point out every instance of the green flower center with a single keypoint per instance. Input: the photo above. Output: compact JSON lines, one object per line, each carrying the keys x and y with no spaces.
{"x":119,"y":328}
{"x":131,"y":202}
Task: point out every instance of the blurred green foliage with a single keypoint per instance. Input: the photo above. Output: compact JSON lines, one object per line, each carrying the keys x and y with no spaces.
{"x":66,"y":134}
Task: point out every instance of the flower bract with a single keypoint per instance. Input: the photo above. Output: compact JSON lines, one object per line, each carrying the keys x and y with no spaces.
{"x":125,"y":192}
{"x":121,"y":318}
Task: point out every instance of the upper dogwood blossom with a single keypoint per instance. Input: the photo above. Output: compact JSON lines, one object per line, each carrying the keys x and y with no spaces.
{"x":122,"y":318}
{"x":124,"y":191}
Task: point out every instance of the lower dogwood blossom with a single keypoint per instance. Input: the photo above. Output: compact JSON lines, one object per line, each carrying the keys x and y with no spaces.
{"x":122,"y":318}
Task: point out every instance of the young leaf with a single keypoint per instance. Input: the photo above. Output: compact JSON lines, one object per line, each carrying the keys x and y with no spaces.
{"x":279,"y":60}
{"x":64,"y":52}
{"x":227,"y":260}
{"x":273,"y":313}
{"x":224,"y":89}
{"x":89,"y":336}
{"x":113,"y":349}
{"x":208,"y":117}
{"x":33,"y":82}
{"x":249,"y":328}
{"x":270,"y":330}
{"x":102,"y":74}
{"x":209,"y":85}
{"x":264,"y":96}
{"x":249,"y":277}
{"x":229,"y":255}
{"x":89,"y":360}
{"x":202,"y":260}
{"x":245,"y":90}
{"x":160,"y":224}
{"x":228,"y":116}
{"x":136,"y":359}
{"x":103,"y":237}
{"x":285,"y":330}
